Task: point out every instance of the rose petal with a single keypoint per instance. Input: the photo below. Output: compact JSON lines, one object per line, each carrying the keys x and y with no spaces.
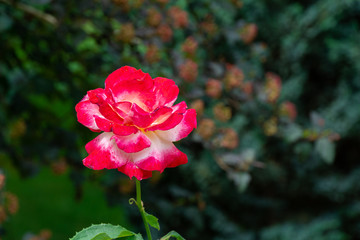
{"x":106,"y":108}
{"x":166,"y":158}
{"x":166,"y":92}
{"x":130,"y":84}
{"x":160,"y":155}
{"x":123,"y":130}
{"x":103,"y":124}
{"x":108,"y":126}
{"x":181,"y":130}
{"x":180,"y":107}
{"x":168,"y":121}
{"x":132,"y":170}
{"x":178,"y":158}
{"x":118,"y":75}
{"x":85,"y":112}
{"x":144,"y":119}
{"x":160,"y":114}
{"x":123,"y":108}
{"x":97,"y":95}
{"x":103,"y":153}
{"x":132,"y":143}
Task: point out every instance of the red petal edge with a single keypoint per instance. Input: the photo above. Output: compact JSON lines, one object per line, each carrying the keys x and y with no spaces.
{"x":103,"y":153}
{"x":132,"y":170}
{"x":85,"y":112}
{"x":182,"y":130}
{"x":132,"y":143}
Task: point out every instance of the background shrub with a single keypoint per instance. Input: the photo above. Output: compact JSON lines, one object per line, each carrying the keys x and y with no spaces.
{"x":275,"y":84}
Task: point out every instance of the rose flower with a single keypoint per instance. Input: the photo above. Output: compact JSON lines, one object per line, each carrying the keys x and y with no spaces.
{"x":139,"y":123}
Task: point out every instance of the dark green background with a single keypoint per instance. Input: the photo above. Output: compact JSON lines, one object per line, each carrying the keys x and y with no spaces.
{"x":303,"y":191}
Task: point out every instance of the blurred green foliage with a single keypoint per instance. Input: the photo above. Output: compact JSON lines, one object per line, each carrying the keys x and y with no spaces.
{"x":275,"y":84}
{"x":46,"y":204}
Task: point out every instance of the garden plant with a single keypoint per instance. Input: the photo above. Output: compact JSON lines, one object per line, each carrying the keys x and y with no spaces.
{"x":140,"y":125}
{"x":276,"y":90}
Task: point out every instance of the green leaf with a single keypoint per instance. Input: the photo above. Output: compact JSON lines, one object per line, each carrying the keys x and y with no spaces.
{"x":141,"y":48}
{"x":90,"y":28}
{"x":104,"y":236}
{"x":5,"y":21}
{"x":101,"y":236}
{"x":241,"y":179}
{"x":326,"y":149}
{"x":105,"y":232}
{"x":293,"y":132}
{"x":172,"y":234}
{"x":181,"y":4}
{"x":76,"y":67}
{"x":88,"y":44}
{"x":135,"y":237}
{"x":152,"y":221}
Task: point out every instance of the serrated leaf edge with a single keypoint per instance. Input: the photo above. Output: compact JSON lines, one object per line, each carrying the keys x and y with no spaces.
{"x":102,"y":224}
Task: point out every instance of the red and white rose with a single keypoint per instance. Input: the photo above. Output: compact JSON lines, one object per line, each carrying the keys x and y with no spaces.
{"x":139,"y":123}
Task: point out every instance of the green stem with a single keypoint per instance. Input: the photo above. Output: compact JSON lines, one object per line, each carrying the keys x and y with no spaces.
{"x":141,"y":208}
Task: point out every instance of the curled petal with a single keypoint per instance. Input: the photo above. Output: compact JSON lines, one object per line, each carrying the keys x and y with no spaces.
{"x":97,"y":95}
{"x":161,"y":113}
{"x":132,"y":170}
{"x":85,"y":111}
{"x":123,"y":108}
{"x":108,"y":126}
{"x":123,"y":130}
{"x":139,"y":117}
{"x":132,"y":143}
{"x":181,"y":130}
{"x":169,"y":123}
{"x":121,"y":74}
{"x":106,"y":107}
{"x":103,"y":153}
{"x":144,"y":119}
{"x":103,"y":124}
{"x":167,"y":157}
{"x":160,"y":155}
{"x":180,"y":107}
{"x":166,"y":91}
{"x":130,"y":84}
